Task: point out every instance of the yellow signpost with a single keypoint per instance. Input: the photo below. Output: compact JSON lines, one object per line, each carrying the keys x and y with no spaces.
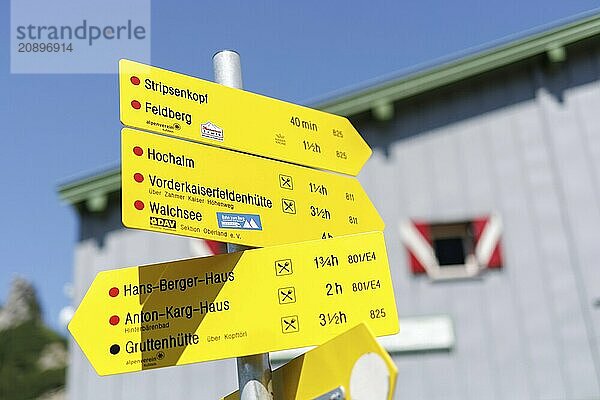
{"x":236,"y":304}
{"x":184,"y":188}
{"x":353,"y":361}
{"x":297,"y":292}
{"x":174,"y":104}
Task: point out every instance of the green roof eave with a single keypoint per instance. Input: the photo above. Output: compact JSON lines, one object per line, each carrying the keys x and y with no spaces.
{"x":442,"y":75}
{"x":96,"y":186}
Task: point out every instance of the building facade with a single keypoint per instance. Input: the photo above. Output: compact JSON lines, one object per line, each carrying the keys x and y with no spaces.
{"x":486,"y":171}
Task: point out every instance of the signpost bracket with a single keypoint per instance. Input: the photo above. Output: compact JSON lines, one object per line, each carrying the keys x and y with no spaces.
{"x":335,"y":394}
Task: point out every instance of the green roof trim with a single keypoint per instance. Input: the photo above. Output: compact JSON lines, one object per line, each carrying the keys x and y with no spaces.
{"x":93,"y":187}
{"x":551,"y":42}
{"x":379,"y":98}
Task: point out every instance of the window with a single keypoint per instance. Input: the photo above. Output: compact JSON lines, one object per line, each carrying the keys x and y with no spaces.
{"x":451,"y":250}
{"x":451,"y":243}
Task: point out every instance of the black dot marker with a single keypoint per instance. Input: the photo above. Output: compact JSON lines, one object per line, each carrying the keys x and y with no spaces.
{"x":114,"y":349}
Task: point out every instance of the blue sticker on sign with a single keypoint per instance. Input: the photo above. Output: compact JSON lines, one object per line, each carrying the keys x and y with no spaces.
{"x":239,"y":221}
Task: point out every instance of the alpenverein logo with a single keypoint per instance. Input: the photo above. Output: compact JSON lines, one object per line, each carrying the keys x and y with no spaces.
{"x":211,"y":131}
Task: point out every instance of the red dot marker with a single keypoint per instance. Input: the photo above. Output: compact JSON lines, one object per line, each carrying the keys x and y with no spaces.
{"x":137,"y":150}
{"x":113,"y":292}
{"x":135,"y":80}
{"x":114,"y":320}
{"x":139,"y":205}
{"x":139,"y":178}
{"x":136,"y":104}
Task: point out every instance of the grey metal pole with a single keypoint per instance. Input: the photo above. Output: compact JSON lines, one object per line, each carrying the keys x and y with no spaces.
{"x":254,"y":371}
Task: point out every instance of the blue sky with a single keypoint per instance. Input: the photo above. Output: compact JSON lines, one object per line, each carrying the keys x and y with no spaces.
{"x":56,"y":127}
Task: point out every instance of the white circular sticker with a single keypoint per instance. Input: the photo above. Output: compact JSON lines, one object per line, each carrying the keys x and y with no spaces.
{"x":370,"y":378}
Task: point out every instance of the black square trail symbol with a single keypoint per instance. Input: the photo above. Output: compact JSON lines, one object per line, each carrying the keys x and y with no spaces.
{"x":288,"y":206}
{"x":283,"y":267}
{"x":286,"y":182}
{"x":290,"y":324}
{"x":286,"y":295}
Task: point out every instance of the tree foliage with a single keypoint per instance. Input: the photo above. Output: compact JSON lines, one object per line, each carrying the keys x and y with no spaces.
{"x":21,"y":375}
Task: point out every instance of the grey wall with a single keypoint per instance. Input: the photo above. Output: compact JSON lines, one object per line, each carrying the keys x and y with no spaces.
{"x":523,"y":142}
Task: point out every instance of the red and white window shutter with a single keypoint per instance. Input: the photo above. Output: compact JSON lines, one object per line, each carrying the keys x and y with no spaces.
{"x":483,"y":241}
{"x":486,"y":235}
{"x":204,"y":247}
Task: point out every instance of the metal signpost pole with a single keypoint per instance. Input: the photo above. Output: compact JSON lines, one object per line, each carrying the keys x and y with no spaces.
{"x":254,"y":371}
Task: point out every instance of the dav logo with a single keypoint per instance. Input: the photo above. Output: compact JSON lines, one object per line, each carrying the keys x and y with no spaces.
{"x":163,"y":222}
{"x":211,"y":131}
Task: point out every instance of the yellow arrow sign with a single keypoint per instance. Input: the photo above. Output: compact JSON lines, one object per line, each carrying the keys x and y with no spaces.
{"x":179,"y":105}
{"x":353,"y":360}
{"x":235,"y":304}
{"x":190,"y":189}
